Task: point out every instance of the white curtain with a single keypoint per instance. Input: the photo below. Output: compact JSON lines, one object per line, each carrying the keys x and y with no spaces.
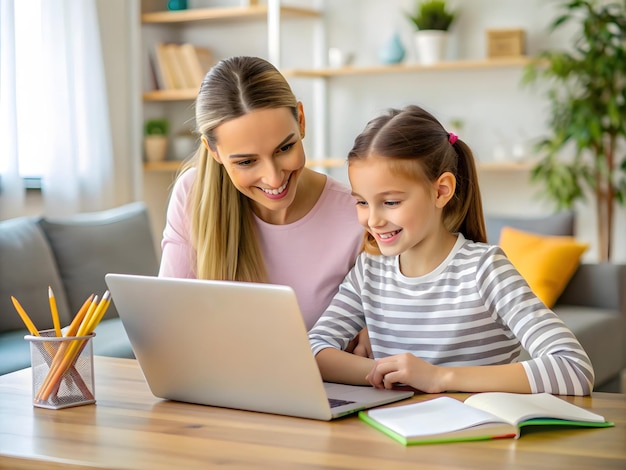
{"x":11,"y":186}
{"x":61,"y":111}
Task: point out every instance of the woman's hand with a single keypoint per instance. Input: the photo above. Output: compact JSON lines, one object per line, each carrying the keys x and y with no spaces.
{"x":361,"y":345}
{"x":408,"y":370}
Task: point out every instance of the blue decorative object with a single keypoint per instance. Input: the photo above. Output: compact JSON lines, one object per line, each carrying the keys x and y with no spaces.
{"x":393,"y":51}
{"x":177,"y":5}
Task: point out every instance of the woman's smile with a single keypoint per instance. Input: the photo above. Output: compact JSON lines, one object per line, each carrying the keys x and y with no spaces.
{"x":278,"y":193}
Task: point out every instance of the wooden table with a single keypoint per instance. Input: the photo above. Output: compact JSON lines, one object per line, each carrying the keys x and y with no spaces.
{"x":129,"y":428}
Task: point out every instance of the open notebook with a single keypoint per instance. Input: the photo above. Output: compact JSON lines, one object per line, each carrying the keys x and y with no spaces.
{"x":230,"y":344}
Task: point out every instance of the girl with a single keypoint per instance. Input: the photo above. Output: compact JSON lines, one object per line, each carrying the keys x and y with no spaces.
{"x":246,"y":208}
{"x":444,"y":310}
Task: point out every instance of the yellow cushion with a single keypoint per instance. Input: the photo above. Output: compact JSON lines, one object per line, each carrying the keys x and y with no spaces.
{"x":547,"y":262}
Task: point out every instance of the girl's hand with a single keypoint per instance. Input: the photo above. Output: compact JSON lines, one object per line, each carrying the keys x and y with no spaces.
{"x":406,"y":369}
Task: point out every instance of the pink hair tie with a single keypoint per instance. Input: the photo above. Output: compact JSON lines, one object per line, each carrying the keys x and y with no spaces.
{"x":452,"y":138}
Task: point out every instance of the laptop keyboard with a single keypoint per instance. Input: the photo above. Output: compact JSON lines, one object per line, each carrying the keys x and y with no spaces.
{"x":334,"y":402}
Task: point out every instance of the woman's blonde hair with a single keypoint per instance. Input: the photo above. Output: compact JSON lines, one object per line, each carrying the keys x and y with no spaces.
{"x":223,"y":232}
{"x":418,"y":146}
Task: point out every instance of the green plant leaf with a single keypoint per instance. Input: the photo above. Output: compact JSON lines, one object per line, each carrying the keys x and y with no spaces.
{"x":156,"y":127}
{"x":431,"y":14}
{"x":586,"y":93}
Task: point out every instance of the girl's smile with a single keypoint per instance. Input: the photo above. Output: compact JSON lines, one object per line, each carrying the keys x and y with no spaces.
{"x":388,"y":237}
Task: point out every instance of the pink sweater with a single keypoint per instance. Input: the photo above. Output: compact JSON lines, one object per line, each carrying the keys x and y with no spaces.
{"x":312,"y":255}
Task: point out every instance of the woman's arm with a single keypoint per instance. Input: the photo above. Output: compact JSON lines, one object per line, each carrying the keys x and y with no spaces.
{"x":178,"y":256}
{"x":361,"y":345}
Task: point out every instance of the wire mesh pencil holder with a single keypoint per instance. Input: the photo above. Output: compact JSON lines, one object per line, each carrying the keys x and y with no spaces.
{"x":62,"y":370}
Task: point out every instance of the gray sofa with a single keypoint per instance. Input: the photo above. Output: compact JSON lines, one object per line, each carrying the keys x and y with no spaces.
{"x":71,"y":255}
{"x":593,"y":305}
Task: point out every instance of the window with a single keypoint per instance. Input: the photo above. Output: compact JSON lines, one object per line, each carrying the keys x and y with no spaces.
{"x":28,"y":75}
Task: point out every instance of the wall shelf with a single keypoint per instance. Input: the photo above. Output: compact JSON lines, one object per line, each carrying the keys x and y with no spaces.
{"x":174,"y":165}
{"x":190,"y":94}
{"x":411,"y":67}
{"x":171,"y":95}
{"x":165,"y":165}
{"x":505,"y":166}
{"x":253,"y":12}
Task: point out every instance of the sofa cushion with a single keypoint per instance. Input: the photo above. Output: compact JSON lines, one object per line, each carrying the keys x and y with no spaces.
{"x":600,"y":333}
{"x":547,"y":262}
{"x":15,"y":351}
{"x":27,"y":268}
{"x":111,"y":340}
{"x":561,"y":223}
{"x":87,"y":246}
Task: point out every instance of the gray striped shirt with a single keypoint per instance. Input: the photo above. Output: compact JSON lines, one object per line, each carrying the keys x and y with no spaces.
{"x":474,"y":309}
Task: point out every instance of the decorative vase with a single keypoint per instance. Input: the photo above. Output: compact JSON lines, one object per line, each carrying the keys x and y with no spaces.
{"x":431,"y":46}
{"x":177,"y":5}
{"x":155,"y":147}
{"x":393,"y":51}
{"x":183,"y":146}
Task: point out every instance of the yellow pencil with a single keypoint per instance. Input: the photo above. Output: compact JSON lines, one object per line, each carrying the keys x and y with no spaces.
{"x":25,"y":318}
{"x":55,"y":312}
{"x":82,"y":329}
{"x":98,"y":313}
{"x":78,"y":318}
{"x":71,"y":331}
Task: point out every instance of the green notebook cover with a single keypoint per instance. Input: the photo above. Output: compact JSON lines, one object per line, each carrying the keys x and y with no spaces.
{"x":490,"y":416}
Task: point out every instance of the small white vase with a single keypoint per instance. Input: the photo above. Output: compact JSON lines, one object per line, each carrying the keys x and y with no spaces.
{"x":431,"y":46}
{"x":155,"y":147}
{"x":183,"y":146}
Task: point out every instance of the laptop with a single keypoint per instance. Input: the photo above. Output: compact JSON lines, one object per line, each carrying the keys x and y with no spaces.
{"x":231,"y":344}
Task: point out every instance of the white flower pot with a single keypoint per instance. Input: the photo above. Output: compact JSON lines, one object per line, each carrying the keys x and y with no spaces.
{"x":431,"y":46}
{"x":155,"y":147}
{"x":183,"y":146}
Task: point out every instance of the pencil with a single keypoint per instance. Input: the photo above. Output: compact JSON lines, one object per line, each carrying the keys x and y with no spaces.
{"x":82,"y":329}
{"x":25,"y":318}
{"x":98,"y":313}
{"x":55,"y":312}
{"x":71,"y":352}
{"x":58,"y":357}
{"x":73,"y":328}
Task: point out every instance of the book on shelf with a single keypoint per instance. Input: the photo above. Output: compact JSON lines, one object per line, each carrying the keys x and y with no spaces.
{"x":181,"y":66}
{"x":489,"y":415}
{"x":163,"y":69}
{"x":197,"y":62}
{"x":174,"y":61}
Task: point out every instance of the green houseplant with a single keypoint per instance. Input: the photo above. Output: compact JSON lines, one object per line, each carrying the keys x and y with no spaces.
{"x":584,"y":152}
{"x":432,"y":20}
{"x":155,"y":140}
{"x":156,"y":127}
{"x":431,"y":15}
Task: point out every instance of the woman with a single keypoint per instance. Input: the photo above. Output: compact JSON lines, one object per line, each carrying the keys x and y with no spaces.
{"x":245,"y":207}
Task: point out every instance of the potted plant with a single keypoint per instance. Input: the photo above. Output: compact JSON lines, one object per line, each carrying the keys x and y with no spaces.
{"x":584,"y":153}
{"x":155,"y":140}
{"x":432,"y":20}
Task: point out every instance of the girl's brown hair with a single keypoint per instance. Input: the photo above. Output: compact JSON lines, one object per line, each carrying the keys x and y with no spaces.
{"x":417,"y":145}
{"x":222,"y":227}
